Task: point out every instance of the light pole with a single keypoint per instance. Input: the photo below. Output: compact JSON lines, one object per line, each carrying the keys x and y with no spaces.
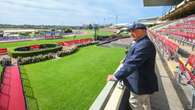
{"x":95,"y":27}
{"x":104,"y":23}
{"x":116,"y":19}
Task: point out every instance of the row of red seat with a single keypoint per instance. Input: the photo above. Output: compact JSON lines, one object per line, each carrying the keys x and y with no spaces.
{"x":186,"y":20}
{"x":182,"y":67}
{"x":173,"y":47}
{"x":190,"y":22}
{"x":168,"y":44}
{"x":184,"y":27}
{"x":73,"y":42}
{"x":185,"y":24}
{"x":186,"y":35}
{"x":3,"y":51}
{"x":181,"y":27}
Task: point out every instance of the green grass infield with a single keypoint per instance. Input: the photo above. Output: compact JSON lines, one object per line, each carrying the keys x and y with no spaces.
{"x":72,"y":82}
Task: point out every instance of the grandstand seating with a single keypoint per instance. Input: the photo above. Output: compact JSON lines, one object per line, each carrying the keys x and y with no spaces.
{"x":3,"y":51}
{"x":11,"y":91}
{"x":185,"y":72}
{"x":168,"y":38}
{"x":167,"y":46}
{"x":181,"y":30}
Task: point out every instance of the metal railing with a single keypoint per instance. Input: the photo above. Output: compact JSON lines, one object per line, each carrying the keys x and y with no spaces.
{"x":110,"y":97}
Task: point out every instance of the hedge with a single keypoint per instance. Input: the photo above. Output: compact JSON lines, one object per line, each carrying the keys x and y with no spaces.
{"x":50,"y":49}
{"x":38,"y":58}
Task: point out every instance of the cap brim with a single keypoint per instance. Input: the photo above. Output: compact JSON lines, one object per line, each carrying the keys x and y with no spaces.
{"x":131,"y":27}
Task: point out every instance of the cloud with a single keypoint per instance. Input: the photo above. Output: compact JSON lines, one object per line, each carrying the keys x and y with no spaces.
{"x":69,"y":12}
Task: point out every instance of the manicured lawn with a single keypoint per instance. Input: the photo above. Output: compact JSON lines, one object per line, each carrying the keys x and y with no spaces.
{"x":72,"y":82}
{"x":101,"y":32}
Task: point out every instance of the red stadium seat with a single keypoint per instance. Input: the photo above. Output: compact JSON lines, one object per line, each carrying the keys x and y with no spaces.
{"x":184,"y":71}
{"x":165,"y":45}
{"x":191,"y":61}
{"x":171,"y":46}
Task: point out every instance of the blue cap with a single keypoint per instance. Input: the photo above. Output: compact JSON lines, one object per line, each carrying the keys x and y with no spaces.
{"x":136,"y":26}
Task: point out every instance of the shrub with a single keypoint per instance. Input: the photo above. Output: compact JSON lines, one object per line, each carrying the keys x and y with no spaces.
{"x":87,"y":44}
{"x":26,"y":52}
{"x":5,"y":61}
{"x":67,"y":51}
{"x":34,"y":59}
{"x":68,"y":30}
{"x":42,"y":57}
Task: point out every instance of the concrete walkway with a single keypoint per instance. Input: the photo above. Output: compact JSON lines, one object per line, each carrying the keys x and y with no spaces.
{"x":166,"y":98}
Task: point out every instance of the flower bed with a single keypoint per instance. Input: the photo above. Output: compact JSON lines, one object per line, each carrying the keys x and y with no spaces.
{"x":3,"y":51}
{"x":67,"y":47}
{"x":76,"y":42}
{"x":34,"y":50}
{"x":43,"y":57}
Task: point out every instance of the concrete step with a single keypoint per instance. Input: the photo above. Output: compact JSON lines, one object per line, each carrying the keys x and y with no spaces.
{"x":173,"y":100}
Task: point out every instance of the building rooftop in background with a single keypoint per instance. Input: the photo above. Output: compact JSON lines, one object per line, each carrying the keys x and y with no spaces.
{"x":150,"y":21}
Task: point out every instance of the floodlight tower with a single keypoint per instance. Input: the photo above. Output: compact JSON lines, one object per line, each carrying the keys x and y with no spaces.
{"x":116,"y":19}
{"x":104,"y":23}
{"x":95,"y":27}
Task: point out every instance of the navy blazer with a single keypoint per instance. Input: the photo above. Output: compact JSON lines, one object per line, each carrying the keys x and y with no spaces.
{"x":138,"y":70}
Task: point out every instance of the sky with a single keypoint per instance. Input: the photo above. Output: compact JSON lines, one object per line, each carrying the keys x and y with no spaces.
{"x":75,"y":12}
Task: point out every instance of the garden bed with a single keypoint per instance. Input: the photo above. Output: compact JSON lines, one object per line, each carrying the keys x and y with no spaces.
{"x":34,"y":50}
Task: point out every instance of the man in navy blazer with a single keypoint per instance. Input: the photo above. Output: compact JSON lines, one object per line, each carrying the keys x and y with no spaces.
{"x":138,"y":70}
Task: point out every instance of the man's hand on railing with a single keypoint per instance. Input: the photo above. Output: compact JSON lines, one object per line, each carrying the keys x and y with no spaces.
{"x":111,"y":78}
{"x":122,"y":61}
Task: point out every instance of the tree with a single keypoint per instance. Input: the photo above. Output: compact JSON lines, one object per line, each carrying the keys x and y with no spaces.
{"x":67,"y":30}
{"x":90,"y":26}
